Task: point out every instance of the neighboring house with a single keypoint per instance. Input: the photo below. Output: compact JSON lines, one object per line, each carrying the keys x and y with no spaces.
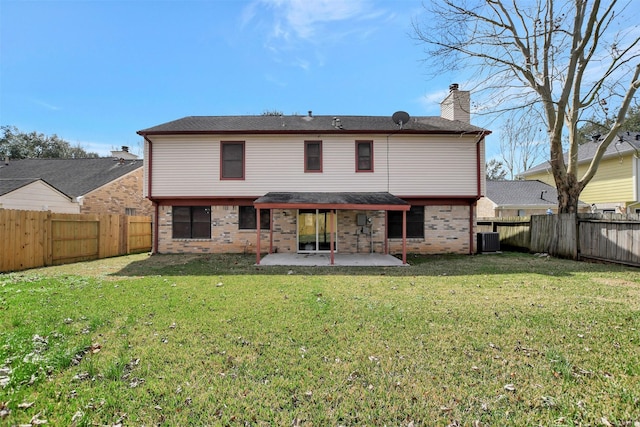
{"x":35,"y":195}
{"x":519,"y":198}
{"x":108,"y":185}
{"x":615,"y":187}
{"x":308,"y":184}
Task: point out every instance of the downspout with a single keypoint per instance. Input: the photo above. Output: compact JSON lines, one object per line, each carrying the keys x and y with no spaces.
{"x":156,"y":226}
{"x":154,"y":249}
{"x":478,"y":195}
{"x":471,"y":205}
{"x":150,"y":163}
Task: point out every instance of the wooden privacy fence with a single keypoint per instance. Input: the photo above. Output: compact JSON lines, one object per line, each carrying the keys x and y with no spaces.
{"x":614,"y":237}
{"x":515,"y":232}
{"x":606,"y":237}
{"x":30,"y":239}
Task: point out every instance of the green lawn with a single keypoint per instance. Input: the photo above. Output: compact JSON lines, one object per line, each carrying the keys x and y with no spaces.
{"x":509,"y":339}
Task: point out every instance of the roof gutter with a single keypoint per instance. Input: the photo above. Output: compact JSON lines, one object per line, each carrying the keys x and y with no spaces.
{"x":144,"y":134}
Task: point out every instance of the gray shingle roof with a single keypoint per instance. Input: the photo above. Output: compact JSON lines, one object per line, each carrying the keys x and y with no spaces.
{"x":73,"y":177}
{"x":630,"y":144}
{"x":331,"y":199}
{"x":7,"y":185}
{"x":522,"y":193}
{"x":309,"y":124}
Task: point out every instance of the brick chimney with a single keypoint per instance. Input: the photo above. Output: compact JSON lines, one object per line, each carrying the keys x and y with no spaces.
{"x":457,"y":105}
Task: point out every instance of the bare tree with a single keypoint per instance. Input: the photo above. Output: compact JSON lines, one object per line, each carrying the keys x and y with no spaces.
{"x":521,"y":145}
{"x":563,"y":59}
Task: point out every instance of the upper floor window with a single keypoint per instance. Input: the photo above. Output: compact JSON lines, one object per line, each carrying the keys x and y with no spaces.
{"x":191,"y":222}
{"x":232,"y":160}
{"x":364,"y":156}
{"x":247,"y":218}
{"x":313,"y":156}
{"x":415,"y":223}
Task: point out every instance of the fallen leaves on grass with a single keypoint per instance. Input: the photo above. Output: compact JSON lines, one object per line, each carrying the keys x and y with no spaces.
{"x":135,"y":382}
{"x":4,"y":410}
{"x":81,"y":376}
{"x":25,"y":405}
{"x":37,"y":421}
{"x":95,"y":348}
{"x":5,"y":376}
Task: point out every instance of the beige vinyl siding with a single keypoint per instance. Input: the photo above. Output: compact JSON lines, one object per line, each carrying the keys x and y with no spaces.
{"x":418,"y":165}
{"x":612,"y":183}
{"x":439,"y":166}
{"x":38,"y":196}
{"x":184,"y":167}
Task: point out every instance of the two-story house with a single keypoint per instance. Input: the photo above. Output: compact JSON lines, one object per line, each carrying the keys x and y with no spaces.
{"x":308,"y":184}
{"x":616,"y":185}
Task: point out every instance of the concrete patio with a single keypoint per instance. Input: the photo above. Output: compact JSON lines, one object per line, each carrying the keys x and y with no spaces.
{"x":341,"y":260}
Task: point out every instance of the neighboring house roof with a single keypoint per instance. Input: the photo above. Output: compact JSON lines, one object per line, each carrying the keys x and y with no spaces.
{"x":522,"y":193}
{"x":309,"y":124}
{"x":73,"y":177}
{"x":629,"y":142}
{"x":9,"y":185}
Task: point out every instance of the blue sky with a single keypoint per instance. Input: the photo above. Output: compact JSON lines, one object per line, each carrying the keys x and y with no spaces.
{"x":95,"y":72}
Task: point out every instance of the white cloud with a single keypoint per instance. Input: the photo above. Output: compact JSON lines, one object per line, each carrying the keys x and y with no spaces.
{"x":295,"y":25}
{"x":303,"y":19}
{"x":46,"y":105}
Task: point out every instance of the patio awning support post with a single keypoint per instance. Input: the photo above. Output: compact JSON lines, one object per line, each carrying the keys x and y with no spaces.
{"x":270,"y":231}
{"x":331,"y":235}
{"x":386,"y":233}
{"x":258,"y":236}
{"x":404,"y":237}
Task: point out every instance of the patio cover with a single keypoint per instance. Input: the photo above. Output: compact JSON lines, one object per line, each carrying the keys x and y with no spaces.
{"x":333,"y":201}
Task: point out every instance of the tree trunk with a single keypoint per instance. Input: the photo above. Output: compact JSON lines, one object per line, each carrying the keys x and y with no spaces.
{"x":568,"y":196}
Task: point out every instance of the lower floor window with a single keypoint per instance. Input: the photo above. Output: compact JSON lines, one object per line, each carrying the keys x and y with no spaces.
{"x":247,"y":218}
{"x":415,"y":223}
{"x":191,"y":222}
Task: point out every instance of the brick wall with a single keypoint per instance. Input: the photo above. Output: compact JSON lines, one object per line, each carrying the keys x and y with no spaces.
{"x":225,"y":235}
{"x":120,"y":194}
{"x":446,"y":231}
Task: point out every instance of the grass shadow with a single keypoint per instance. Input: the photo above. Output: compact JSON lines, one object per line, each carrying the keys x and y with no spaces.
{"x":419,"y":265}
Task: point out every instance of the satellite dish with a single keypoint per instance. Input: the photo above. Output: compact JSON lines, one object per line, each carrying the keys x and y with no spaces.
{"x":400,"y":118}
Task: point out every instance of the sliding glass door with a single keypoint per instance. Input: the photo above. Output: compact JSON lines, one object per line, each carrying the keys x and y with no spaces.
{"x":314,"y":230}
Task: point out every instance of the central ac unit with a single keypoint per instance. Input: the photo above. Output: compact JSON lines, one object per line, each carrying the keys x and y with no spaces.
{"x":488,"y":242}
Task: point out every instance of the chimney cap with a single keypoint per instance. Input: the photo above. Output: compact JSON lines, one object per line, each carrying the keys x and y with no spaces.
{"x":310,"y":113}
{"x":125,"y":148}
{"x":453,"y":86}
